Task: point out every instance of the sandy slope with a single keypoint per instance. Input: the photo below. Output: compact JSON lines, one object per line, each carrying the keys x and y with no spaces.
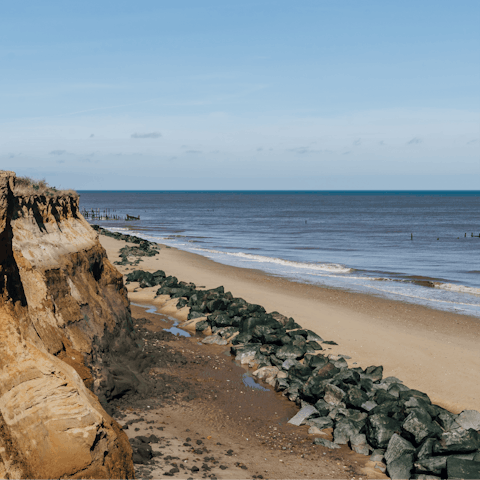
{"x":430,"y":350}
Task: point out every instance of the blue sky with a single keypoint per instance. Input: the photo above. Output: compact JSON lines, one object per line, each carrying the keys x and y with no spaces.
{"x":242,"y":95}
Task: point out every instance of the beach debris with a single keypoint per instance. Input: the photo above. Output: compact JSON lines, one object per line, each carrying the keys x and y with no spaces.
{"x":303,"y":414}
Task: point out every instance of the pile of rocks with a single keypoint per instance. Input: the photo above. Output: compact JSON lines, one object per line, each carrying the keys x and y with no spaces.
{"x":373,"y":415}
{"x":131,"y":255}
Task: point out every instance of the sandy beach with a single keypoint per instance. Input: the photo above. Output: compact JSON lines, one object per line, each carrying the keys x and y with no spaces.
{"x":432,"y":351}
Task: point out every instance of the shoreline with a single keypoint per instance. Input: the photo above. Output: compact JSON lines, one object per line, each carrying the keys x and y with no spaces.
{"x":430,"y":350}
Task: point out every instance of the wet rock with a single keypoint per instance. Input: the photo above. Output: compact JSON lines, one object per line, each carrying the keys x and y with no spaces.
{"x":266,"y":373}
{"x":305,"y":413}
{"x":247,"y":354}
{"x":469,"y":419}
{"x":459,"y":468}
{"x":325,"y":443}
{"x":420,"y":425}
{"x":333,"y":394}
{"x":380,"y":428}
{"x":457,"y":441}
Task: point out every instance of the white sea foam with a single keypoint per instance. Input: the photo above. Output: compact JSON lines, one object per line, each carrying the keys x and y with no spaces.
{"x":326,"y":267}
{"x":457,"y":288}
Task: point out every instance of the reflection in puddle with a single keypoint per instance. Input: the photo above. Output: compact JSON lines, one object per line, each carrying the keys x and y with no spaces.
{"x":249,"y":381}
{"x":173,"y":329}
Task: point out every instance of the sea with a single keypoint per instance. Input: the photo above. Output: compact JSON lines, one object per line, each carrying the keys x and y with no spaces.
{"x":421,"y":247}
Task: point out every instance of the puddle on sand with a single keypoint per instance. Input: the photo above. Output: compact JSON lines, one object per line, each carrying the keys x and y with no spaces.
{"x":173,"y":329}
{"x":249,"y":381}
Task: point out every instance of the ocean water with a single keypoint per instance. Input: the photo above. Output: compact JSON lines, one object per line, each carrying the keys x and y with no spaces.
{"x":358,"y":241}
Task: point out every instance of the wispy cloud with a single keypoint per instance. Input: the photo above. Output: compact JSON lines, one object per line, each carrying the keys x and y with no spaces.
{"x":414,"y":141}
{"x":193,"y":151}
{"x":58,"y":152}
{"x":92,"y":135}
{"x":382,"y":143}
{"x":475,"y":140}
{"x":301,"y":150}
{"x":259,"y":149}
{"x":357,"y":142}
{"x":346,"y":153}
{"x":146,"y":135}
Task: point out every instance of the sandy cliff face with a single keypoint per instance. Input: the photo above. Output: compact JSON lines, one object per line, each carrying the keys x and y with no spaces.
{"x":58,"y":291}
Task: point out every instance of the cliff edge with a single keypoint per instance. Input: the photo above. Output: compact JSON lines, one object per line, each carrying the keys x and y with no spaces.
{"x":58,"y":293}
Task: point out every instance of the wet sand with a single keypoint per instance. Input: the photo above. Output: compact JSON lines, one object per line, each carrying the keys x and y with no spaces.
{"x":432,"y":351}
{"x":209,"y":424}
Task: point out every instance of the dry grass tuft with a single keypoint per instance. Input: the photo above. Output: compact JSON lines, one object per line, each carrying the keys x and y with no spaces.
{"x":26,"y":186}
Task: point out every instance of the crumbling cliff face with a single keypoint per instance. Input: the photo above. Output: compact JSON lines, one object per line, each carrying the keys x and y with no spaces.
{"x":58,"y":292}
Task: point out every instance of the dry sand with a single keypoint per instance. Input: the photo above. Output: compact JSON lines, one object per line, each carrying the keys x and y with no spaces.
{"x":432,"y":351}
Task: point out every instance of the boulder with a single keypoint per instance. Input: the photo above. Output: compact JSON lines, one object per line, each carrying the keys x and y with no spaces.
{"x":457,"y":441}
{"x":358,"y":443}
{"x":397,"y":447}
{"x":215,"y":340}
{"x":333,"y":394}
{"x":420,"y":425}
{"x":380,"y":429}
{"x":344,"y":430}
{"x":289,"y":351}
{"x":320,"y":422}
{"x":374,"y":373}
{"x":432,"y":465}
{"x":401,"y":468}
{"x":469,"y":419}
{"x":459,"y":468}
{"x":355,"y":398}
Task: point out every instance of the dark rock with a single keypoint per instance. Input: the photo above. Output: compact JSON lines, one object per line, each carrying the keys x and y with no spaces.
{"x":355,"y":398}
{"x":325,"y":443}
{"x":323,"y":408}
{"x":344,"y":430}
{"x":330,"y":342}
{"x":374,"y":373}
{"x":291,"y":324}
{"x":407,"y":394}
{"x":459,"y":468}
{"x":397,"y":447}
{"x":241,"y":338}
{"x":420,"y":425}
{"x":457,"y":441}
{"x":383,"y":397}
{"x":281,"y":384}
{"x":315,"y":361}
{"x":426,"y":449}
{"x":289,"y":351}
{"x":401,"y":468}
{"x":395,"y":389}
{"x":321,"y":422}
{"x":380,"y":429}
{"x":469,"y":419}
{"x":301,"y":372}
{"x":201,"y":326}
{"x":333,"y":394}
{"x":315,"y":345}
{"x":433,"y":465}
{"x":327,"y":371}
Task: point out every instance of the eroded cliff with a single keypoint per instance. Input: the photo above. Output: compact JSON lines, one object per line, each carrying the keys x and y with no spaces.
{"x":58,"y":293}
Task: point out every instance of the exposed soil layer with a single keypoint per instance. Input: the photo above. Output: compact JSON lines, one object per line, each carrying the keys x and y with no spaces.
{"x":203,"y":416}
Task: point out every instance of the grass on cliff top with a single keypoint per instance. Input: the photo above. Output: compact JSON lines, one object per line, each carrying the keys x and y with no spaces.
{"x":26,"y":186}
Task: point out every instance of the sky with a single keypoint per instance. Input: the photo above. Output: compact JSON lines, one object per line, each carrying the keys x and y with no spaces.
{"x":216,"y":95}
